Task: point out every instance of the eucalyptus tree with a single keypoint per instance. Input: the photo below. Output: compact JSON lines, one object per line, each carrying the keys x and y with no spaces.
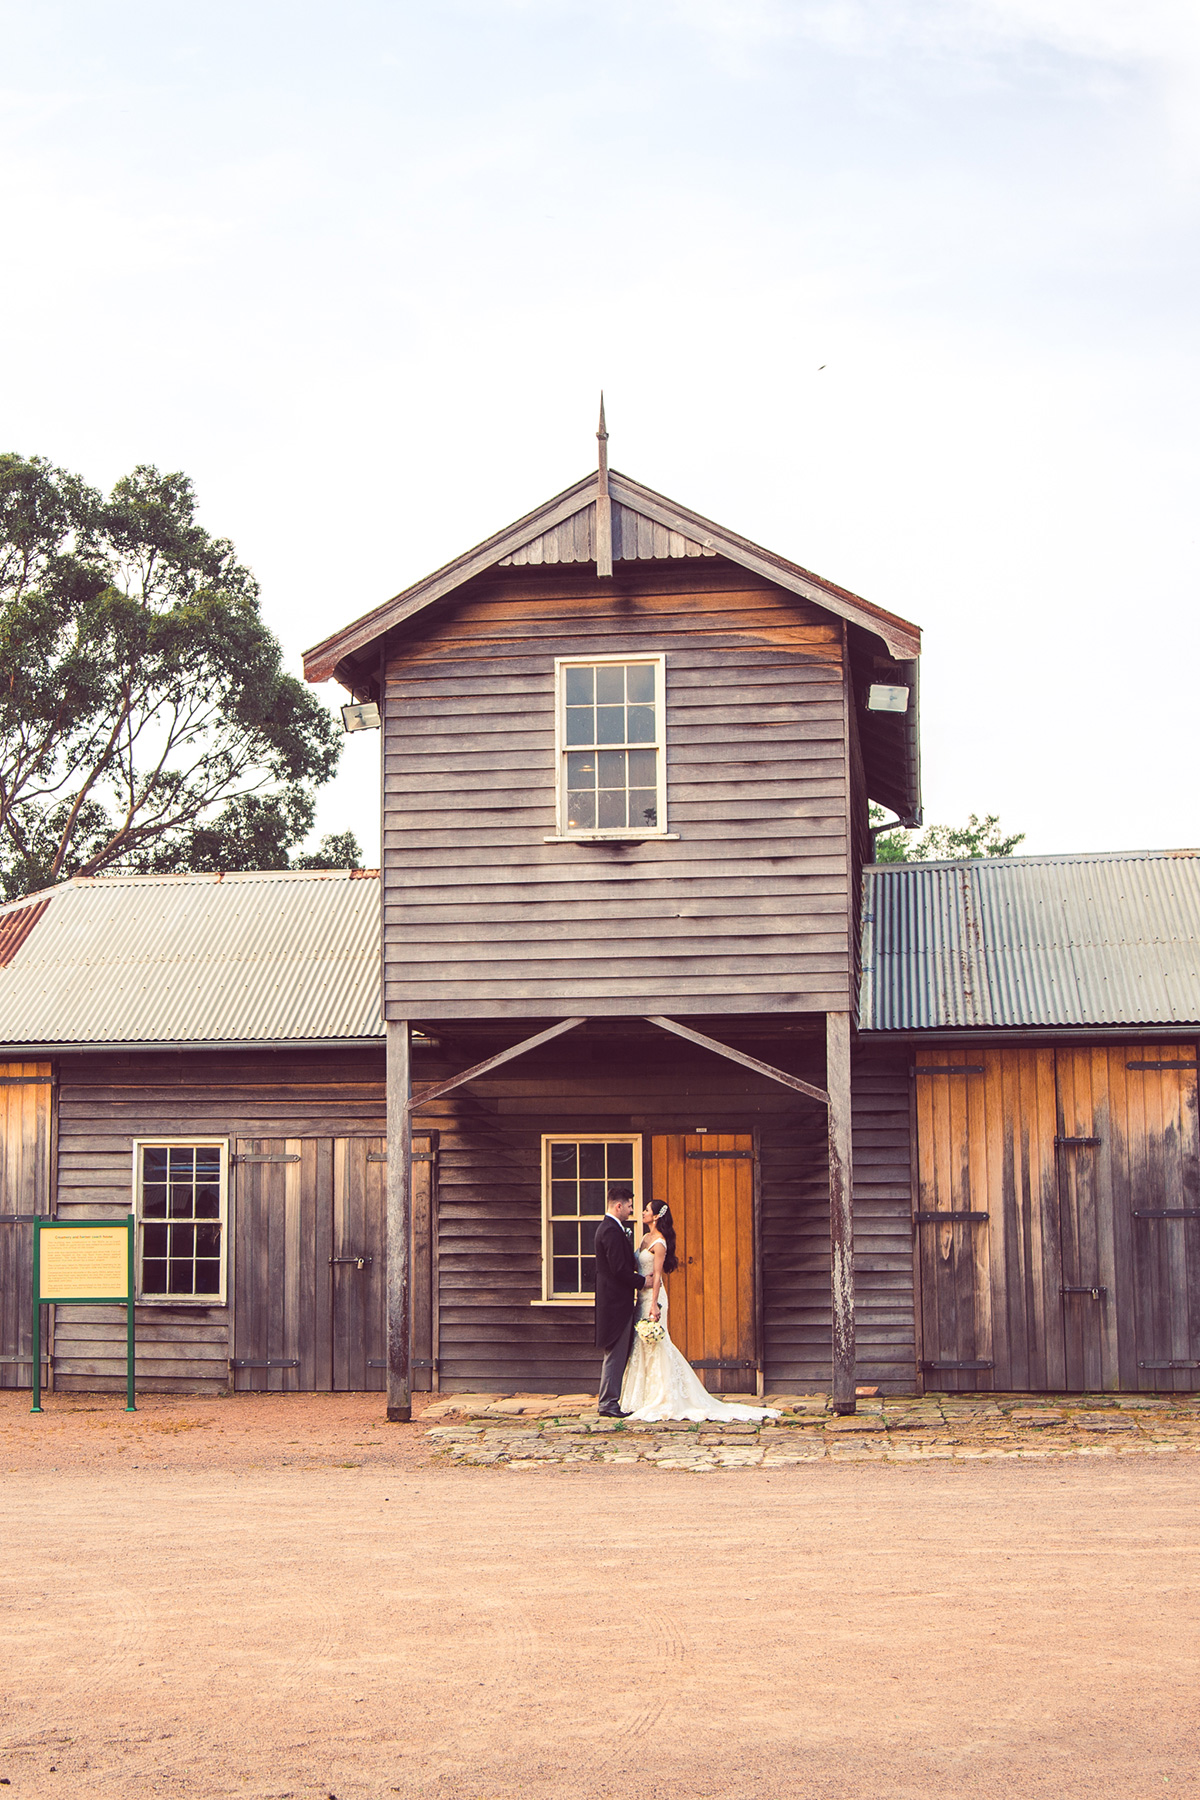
{"x":146,"y":720}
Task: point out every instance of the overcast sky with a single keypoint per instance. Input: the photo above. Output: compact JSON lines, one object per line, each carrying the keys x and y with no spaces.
{"x":904,"y":291}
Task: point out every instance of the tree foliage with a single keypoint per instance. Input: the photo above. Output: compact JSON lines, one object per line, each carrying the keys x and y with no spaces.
{"x":146,"y":721}
{"x":943,"y":843}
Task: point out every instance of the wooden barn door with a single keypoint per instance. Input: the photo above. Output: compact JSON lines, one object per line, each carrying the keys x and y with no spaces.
{"x":359,"y":1264}
{"x":310,"y":1264}
{"x":1129,"y":1163}
{"x":283,"y":1277}
{"x":25,"y":1132}
{"x":708,"y":1182}
{"x":1058,"y":1219}
{"x":986,"y":1223}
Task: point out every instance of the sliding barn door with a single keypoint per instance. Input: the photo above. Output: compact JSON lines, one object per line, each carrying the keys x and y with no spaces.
{"x":708,"y":1182}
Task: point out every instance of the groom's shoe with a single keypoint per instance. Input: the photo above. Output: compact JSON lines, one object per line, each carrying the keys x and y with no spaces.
{"x":613,"y":1412}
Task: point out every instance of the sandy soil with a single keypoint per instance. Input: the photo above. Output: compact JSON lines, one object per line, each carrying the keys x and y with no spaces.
{"x":303,"y":1604}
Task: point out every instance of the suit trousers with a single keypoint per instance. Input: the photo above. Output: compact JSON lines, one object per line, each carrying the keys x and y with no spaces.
{"x":612,"y":1369}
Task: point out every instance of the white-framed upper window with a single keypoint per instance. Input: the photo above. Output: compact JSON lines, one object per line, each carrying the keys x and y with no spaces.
{"x":181,"y":1199}
{"x":577,"y":1170}
{"x":611,"y":732}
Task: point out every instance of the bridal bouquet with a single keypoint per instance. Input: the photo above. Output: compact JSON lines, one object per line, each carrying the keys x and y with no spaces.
{"x":650,"y":1331}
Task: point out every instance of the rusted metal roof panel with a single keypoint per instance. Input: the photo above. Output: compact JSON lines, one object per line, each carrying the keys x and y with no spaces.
{"x":15,"y":926}
{"x":1024,"y":941}
{"x":283,"y":956}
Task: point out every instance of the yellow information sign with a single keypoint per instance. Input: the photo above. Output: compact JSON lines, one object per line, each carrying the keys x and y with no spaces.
{"x":84,"y":1263}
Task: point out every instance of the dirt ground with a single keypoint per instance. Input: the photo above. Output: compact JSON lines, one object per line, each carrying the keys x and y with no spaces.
{"x":286,"y":1597}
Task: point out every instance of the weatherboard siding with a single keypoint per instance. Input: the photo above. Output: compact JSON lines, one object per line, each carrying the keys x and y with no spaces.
{"x":105,"y":1102}
{"x":748,"y":911}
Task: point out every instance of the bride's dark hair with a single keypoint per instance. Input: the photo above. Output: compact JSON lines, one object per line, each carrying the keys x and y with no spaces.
{"x":666,"y":1224}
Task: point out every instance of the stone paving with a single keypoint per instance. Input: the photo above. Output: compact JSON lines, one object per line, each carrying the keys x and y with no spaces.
{"x":525,"y":1431}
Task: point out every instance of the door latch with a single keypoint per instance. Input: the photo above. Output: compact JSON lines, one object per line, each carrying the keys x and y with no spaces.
{"x":1096,"y":1292}
{"x":360,"y":1262}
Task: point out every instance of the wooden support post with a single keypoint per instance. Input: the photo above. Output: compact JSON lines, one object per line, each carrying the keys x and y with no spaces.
{"x":399,"y":1219}
{"x":841,"y":1208}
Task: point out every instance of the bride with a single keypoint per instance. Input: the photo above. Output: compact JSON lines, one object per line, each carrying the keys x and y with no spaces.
{"x":659,"y":1381}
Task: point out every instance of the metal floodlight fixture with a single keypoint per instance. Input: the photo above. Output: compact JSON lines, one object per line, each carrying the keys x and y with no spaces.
{"x":361,"y":718}
{"x":884,"y":699}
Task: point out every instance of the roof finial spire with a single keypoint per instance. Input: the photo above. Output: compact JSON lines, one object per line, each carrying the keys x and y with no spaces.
{"x":603,"y":502}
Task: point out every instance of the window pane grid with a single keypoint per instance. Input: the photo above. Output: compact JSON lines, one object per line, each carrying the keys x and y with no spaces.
{"x":579,"y":1174}
{"x":181,"y":1242}
{"x":611,"y":747}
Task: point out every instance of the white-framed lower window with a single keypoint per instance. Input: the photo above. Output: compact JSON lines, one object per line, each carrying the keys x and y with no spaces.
{"x":181,"y":1201}
{"x":577,"y":1170}
{"x":611,"y":746}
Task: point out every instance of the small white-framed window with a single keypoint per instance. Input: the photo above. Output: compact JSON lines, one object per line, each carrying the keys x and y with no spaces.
{"x":577,"y":1170}
{"x":611,"y":746}
{"x":181,"y":1190}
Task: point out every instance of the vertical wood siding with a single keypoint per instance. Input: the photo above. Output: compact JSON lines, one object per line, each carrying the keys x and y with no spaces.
{"x":26,"y":1117}
{"x":748,"y":911}
{"x":107,"y":1101}
{"x":1081,"y":1268}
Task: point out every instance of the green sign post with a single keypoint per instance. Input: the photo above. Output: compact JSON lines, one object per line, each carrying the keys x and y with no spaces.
{"x":82,"y":1262}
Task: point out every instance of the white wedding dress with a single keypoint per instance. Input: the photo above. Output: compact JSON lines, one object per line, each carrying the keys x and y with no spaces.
{"x":659,"y":1381}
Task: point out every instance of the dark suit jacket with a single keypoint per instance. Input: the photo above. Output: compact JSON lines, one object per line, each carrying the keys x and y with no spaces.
{"x":618,"y":1279}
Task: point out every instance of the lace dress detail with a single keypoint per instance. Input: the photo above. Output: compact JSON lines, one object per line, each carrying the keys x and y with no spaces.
{"x":659,"y":1381}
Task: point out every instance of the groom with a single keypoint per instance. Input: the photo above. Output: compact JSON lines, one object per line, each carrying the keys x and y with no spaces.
{"x":617,"y":1280}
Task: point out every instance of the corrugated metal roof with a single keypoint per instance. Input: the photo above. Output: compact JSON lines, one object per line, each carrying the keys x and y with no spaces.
{"x":1033,"y":941}
{"x":279,"y":956}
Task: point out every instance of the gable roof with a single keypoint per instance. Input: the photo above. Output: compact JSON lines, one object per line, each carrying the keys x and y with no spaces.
{"x":645,"y":524}
{"x":279,"y":957}
{"x":1033,"y":941}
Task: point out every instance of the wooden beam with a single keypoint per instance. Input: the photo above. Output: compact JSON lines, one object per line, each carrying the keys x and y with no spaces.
{"x":493,"y":1062}
{"x":739,"y":1056}
{"x":841,"y":1208}
{"x":399,"y":1219}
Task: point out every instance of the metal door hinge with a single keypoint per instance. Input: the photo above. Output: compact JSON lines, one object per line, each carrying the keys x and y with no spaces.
{"x":717,"y":1363}
{"x":719,"y":1155}
{"x":263,"y":1159}
{"x":977,"y":1362}
{"x":1160,"y":1065}
{"x":1167,"y":1212}
{"x":272,"y":1362}
{"x":1067,"y":1142}
{"x":1179,"y":1362}
{"x":946,"y":1218}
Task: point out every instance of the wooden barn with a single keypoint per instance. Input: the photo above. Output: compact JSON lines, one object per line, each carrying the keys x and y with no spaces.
{"x":627,"y":760}
{"x":1045,"y":1013}
{"x":926,"y":1125}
